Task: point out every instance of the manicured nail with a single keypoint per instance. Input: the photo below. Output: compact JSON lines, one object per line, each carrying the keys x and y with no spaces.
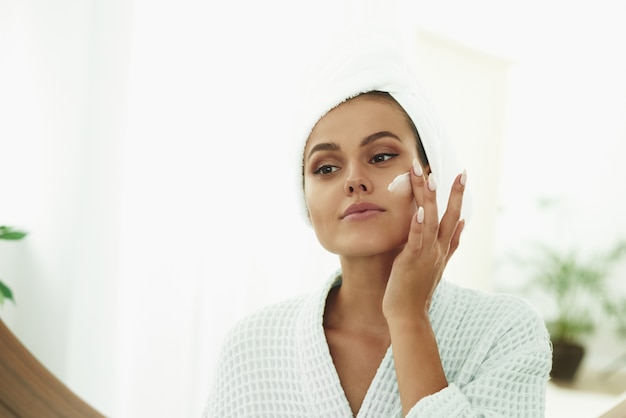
{"x":463,"y":179}
{"x":420,"y":215}
{"x":417,"y":168}
{"x":432,"y":186}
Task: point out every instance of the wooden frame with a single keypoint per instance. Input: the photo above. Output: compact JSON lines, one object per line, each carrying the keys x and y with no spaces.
{"x":29,"y":389}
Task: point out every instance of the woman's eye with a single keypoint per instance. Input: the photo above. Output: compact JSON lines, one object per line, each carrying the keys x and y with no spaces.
{"x":325,"y":170}
{"x":380,"y":158}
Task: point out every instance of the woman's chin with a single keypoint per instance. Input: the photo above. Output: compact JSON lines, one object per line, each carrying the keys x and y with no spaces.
{"x":364,"y":247}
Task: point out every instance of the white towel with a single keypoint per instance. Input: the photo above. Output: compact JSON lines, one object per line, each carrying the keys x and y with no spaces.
{"x":365,"y":59}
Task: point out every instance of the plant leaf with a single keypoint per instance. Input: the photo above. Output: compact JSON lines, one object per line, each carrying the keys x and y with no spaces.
{"x":7,"y":232}
{"x":13,"y":235}
{"x":5,"y":293}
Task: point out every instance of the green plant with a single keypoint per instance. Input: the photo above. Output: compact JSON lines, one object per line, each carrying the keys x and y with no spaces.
{"x":8,"y":233}
{"x":580,"y":291}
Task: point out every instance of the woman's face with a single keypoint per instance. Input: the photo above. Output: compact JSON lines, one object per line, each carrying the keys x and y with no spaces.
{"x":352,"y":155}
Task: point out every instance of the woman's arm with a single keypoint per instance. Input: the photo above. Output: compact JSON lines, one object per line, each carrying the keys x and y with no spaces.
{"x":418,"y":366}
{"x":504,"y":375}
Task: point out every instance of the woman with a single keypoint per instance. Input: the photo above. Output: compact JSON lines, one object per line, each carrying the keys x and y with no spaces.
{"x":386,"y":336}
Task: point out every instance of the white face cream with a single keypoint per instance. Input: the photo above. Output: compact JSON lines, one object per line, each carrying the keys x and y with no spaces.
{"x":401,"y":184}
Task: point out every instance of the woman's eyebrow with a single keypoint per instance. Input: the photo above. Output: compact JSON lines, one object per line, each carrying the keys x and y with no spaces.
{"x":373,"y":137}
{"x":324,"y":146}
{"x":331,"y":146}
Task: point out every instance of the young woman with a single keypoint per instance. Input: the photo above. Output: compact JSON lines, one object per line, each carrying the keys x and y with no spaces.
{"x":386,"y":336}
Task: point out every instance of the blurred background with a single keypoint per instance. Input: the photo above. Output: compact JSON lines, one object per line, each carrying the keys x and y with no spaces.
{"x":145,"y":147}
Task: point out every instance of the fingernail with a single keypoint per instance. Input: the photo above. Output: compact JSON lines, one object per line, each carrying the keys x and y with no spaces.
{"x":420,"y":215}
{"x":432,"y":186}
{"x":463,"y":179}
{"x":417,"y":168}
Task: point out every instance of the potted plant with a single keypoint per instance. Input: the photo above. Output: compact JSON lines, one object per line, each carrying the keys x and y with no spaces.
{"x":581,"y":295}
{"x":8,"y":233}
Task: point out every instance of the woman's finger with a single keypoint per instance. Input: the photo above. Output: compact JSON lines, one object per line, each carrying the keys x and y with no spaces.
{"x":417,"y":223}
{"x":456,"y":239}
{"x":414,"y":242}
{"x":417,"y":183}
{"x":431,"y":213}
{"x":450,"y":219}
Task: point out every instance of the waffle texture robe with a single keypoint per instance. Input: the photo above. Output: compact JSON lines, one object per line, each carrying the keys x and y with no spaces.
{"x":494,"y":348}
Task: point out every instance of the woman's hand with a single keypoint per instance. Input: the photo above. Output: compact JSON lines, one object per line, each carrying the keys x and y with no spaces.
{"x":418,"y":268}
{"x":415,"y":273}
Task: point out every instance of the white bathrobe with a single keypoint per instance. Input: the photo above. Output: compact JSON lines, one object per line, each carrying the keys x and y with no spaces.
{"x":495,"y":352}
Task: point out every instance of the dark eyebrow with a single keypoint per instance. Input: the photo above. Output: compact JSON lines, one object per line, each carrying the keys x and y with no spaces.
{"x":331,"y":146}
{"x":373,"y":137}
{"x":324,"y":146}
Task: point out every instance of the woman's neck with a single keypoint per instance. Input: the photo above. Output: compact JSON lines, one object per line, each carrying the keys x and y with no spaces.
{"x":357,"y":303}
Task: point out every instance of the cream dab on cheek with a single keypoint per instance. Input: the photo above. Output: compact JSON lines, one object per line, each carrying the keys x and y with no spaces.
{"x":401,"y":184}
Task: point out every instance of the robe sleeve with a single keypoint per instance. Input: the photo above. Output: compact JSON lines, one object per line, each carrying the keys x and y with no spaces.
{"x":511,"y":381}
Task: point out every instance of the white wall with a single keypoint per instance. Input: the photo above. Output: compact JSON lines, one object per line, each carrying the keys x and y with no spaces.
{"x":63,"y":79}
{"x":565,"y":141}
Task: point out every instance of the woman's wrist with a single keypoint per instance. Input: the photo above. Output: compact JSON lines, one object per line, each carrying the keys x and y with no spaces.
{"x":415,"y":322}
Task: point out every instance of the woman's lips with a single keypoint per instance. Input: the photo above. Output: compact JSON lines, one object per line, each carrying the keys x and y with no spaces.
{"x":361,"y":210}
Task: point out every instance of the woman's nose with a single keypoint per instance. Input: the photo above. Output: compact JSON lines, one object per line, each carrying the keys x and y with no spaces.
{"x":357,"y":183}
